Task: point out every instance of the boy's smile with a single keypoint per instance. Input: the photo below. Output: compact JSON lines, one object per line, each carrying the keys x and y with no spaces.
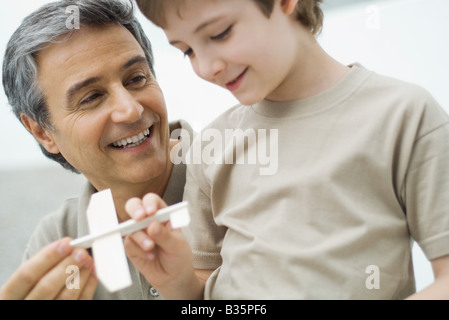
{"x":235,"y":84}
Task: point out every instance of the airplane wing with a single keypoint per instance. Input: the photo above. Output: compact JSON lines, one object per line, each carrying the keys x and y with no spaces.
{"x":111,"y":265}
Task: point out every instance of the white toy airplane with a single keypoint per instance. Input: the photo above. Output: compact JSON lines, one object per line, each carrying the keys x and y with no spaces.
{"x":111,"y":265}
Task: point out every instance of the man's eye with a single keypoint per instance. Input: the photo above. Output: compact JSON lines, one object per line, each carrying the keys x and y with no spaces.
{"x":223,"y":34}
{"x":91,"y":98}
{"x":138,"y":80}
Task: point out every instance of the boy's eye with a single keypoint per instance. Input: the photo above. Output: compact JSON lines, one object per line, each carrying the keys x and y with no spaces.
{"x":222,"y":35}
{"x":218,"y":37}
{"x":188,"y":52}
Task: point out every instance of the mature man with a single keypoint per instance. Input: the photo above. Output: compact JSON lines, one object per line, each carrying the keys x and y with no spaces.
{"x":90,"y":98}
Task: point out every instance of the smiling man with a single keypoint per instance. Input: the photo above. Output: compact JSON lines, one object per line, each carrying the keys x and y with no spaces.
{"x":90,"y":98}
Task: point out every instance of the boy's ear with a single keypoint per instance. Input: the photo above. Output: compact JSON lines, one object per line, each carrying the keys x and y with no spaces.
{"x":43,"y":136}
{"x":288,"y":6}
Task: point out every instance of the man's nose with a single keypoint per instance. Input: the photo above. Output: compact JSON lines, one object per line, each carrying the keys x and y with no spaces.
{"x":125,"y":108}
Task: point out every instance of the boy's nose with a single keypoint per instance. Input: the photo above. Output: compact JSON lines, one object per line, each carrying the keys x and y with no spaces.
{"x":211,"y":69}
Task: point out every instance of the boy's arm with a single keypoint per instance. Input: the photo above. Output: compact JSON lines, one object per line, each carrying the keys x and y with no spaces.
{"x":162,"y":254}
{"x":439,"y":289}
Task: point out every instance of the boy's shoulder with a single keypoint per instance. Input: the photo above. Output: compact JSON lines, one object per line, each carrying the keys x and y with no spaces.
{"x":385,"y":86}
{"x":390,"y":97}
{"x":229,"y":118}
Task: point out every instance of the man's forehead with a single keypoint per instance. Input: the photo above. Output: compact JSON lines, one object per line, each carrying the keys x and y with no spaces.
{"x":89,"y":38}
{"x":89,"y":52}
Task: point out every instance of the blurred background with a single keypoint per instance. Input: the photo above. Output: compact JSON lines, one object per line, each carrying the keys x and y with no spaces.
{"x":405,"y":39}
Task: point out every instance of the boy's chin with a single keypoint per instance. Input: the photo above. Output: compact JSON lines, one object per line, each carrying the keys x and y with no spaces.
{"x":248,"y":100}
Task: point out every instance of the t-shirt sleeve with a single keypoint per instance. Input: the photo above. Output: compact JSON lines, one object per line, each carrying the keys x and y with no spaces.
{"x":44,"y":234}
{"x":426,"y":188}
{"x":204,"y":235}
{"x":52,"y":227}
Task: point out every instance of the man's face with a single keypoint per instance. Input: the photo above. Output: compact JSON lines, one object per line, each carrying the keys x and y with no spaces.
{"x":107,"y":110}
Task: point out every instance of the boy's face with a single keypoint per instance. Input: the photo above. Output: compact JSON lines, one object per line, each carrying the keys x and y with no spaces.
{"x":234,"y":45}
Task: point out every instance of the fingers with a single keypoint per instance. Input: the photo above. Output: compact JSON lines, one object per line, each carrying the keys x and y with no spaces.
{"x":89,"y":287}
{"x":134,"y":208}
{"x":80,"y":284}
{"x":133,"y":249}
{"x":139,"y":209}
{"x":29,"y":273}
{"x":44,"y":275}
{"x":159,"y":233}
{"x":142,"y":239}
{"x":162,"y":237}
{"x":56,"y":280}
{"x":140,"y":244}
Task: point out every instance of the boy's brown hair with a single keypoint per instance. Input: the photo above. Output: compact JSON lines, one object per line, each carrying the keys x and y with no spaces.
{"x":308,"y":12}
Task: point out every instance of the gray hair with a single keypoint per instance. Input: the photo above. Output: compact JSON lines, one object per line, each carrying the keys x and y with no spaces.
{"x":44,"y":27}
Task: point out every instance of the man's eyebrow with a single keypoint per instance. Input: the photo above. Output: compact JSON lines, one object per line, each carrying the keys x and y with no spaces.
{"x":78,"y":86}
{"x":134,"y":60}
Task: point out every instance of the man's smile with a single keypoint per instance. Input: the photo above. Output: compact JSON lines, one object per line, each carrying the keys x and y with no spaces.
{"x":133,"y":141}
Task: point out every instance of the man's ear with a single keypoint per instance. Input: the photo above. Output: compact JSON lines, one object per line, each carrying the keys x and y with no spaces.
{"x":288,"y":6}
{"x":43,"y":136}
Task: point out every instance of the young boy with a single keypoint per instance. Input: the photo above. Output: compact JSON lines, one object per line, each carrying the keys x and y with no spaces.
{"x":362,"y":164}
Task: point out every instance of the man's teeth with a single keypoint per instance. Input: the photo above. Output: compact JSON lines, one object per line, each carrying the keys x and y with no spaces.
{"x":133,"y":141}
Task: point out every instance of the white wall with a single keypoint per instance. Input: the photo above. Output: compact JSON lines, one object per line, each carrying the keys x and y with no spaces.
{"x":404,"y":39}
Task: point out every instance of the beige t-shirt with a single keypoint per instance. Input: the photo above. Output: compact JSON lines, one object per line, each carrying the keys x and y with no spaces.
{"x":356,"y":173}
